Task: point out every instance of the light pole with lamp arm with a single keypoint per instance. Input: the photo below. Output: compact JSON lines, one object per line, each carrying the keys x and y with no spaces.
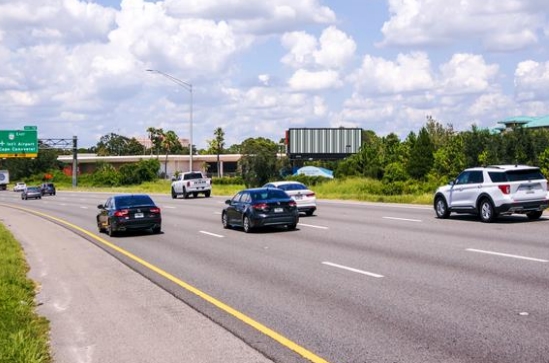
{"x":189,"y":87}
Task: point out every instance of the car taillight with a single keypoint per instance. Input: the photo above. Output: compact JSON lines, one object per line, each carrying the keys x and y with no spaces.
{"x":292,"y":203}
{"x":155,"y":210}
{"x":261,"y":206}
{"x":121,"y":213}
{"x":188,"y":184}
{"x":505,"y":189}
{"x":310,"y":195}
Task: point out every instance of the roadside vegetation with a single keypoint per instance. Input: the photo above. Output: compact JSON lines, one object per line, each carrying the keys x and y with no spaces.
{"x":24,"y":336}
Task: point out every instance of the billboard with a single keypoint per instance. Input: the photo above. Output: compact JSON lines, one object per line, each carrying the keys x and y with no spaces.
{"x":322,"y":143}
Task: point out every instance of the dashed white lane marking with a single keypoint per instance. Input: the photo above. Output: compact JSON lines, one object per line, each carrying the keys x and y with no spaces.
{"x":169,"y":207}
{"x":403,"y":219}
{"x":312,"y":226}
{"x":371,"y":274}
{"x":83,"y":207}
{"x":507,"y":255}
{"x":212,"y":234}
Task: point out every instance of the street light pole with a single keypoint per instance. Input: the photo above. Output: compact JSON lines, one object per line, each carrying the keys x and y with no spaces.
{"x":189,"y":87}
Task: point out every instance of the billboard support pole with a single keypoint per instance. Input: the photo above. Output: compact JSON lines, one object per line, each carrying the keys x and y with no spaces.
{"x":74,"y":160}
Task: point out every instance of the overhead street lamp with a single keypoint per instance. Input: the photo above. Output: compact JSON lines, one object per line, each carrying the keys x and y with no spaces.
{"x":188,"y":87}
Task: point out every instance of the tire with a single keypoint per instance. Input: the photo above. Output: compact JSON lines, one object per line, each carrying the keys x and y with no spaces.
{"x":246,"y":225}
{"x":174,"y":194}
{"x":185,"y":194}
{"x":156,"y":230}
{"x":195,"y":195}
{"x":486,"y":211}
{"x":292,"y":227}
{"x":110,"y":231}
{"x":225,"y":221}
{"x":207,"y":194}
{"x":309,"y":213}
{"x":101,"y":229}
{"x":441,"y":208}
{"x":534,"y":215}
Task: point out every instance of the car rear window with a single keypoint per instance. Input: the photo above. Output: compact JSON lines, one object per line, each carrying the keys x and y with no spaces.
{"x":269,"y":194}
{"x":133,"y":201}
{"x":516,"y":175}
{"x":294,"y":186}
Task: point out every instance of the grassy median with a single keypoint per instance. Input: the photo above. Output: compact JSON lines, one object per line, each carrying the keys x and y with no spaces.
{"x":24,"y":336}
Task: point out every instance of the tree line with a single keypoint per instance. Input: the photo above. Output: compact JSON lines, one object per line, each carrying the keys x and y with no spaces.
{"x":433,"y":156}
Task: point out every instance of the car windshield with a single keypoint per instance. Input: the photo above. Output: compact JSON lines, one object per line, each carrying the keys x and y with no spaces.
{"x":293,"y":186}
{"x":133,"y":201}
{"x":32,"y":189}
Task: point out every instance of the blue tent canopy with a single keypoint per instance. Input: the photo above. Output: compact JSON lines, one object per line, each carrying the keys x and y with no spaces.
{"x":315,"y":171}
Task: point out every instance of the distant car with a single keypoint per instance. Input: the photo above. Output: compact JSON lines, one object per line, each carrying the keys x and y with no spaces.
{"x":19,"y":187}
{"x":260,"y":207}
{"x":31,"y":193}
{"x":303,"y":196}
{"x":48,"y":188}
{"x":129,"y":212}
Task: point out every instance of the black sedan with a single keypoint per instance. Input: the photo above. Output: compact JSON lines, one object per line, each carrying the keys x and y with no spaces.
{"x":260,"y":207}
{"x":127,"y":212}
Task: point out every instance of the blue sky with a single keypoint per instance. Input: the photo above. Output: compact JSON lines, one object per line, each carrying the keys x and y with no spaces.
{"x":77,"y":68}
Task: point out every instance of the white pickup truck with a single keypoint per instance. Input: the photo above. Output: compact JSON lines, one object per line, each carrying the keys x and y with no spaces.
{"x":191,"y":183}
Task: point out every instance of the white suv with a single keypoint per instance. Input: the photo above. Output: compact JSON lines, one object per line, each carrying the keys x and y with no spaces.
{"x":494,"y":190}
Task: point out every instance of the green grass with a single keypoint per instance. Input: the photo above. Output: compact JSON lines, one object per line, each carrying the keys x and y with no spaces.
{"x":358,"y":189}
{"x":23,"y":334}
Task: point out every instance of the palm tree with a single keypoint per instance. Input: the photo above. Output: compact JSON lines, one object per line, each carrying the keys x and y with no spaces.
{"x":169,"y":142}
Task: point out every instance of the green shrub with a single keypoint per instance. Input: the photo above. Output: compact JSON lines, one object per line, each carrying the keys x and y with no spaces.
{"x":228,"y":180}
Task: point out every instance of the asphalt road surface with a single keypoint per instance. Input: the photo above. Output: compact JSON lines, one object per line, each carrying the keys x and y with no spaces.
{"x":356,"y":282}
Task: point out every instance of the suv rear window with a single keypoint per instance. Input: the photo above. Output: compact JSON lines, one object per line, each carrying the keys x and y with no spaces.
{"x":192,"y":176}
{"x":516,"y":175}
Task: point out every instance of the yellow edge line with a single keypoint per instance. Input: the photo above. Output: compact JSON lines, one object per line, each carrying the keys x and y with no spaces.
{"x":240,"y":316}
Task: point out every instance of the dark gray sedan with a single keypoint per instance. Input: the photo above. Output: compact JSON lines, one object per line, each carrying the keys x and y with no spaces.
{"x":31,"y":193}
{"x":260,"y":207}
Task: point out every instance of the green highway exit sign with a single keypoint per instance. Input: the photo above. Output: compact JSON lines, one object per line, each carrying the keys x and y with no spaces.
{"x":19,"y":143}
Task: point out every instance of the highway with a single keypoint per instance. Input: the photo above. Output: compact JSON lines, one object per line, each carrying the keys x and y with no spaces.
{"x":356,"y":282}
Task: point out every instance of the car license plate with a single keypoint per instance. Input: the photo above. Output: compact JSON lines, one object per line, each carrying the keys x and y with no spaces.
{"x":298,"y":197}
{"x":279,"y":210}
{"x":138,"y":215}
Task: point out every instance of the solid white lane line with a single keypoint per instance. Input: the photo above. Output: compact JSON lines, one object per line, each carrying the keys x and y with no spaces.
{"x":403,"y":219}
{"x":312,"y":226}
{"x":169,"y":207}
{"x":371,"y":274}
{"x":212,"y":234}
{"x":507,"y":255}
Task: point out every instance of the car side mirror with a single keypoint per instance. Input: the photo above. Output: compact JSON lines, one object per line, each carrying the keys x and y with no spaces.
{"x":452,"y":182}
{"x":100,"y":206}
{"x":228,"y":202}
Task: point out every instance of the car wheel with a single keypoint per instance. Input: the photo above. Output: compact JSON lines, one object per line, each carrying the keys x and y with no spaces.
{"x":486,"y":211}
{"x":292,"y":227}
{"x":534,"y":215}
{"x":309,"y":213}
{"x":195,"y":195}
{"x":441,"y":208}
{"x":100,"y":226}
{"x":174,"y":194}
{"x":225,"y":221}
{"x":246,"y":225}
{"x":157,"y":230}
{"x":207,"y":194}
{"x":185,"y":194}
{"x":110,"y":231}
